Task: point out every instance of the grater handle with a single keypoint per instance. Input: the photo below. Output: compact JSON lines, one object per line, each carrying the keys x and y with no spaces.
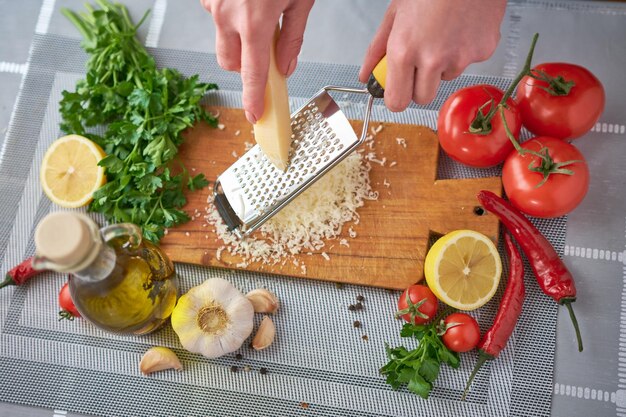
{"x":226,"y":212}
{"x":368,"y":106}
{"x":378,"y":77}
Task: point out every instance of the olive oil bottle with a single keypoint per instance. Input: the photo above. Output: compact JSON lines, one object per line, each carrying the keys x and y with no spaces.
{"x":118,"y":282}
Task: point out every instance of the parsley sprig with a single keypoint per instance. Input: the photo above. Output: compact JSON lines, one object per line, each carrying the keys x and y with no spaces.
{"x":146,"y":109}
{"x":418,"y":368}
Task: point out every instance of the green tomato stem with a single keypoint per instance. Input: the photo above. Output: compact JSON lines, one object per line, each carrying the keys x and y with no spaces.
{"x":507,"y":94}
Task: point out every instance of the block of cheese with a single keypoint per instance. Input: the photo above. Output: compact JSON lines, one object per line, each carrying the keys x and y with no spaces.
{"x":273,"y":130}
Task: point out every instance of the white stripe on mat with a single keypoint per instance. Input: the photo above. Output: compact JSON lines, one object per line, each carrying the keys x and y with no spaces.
{"x":45,"y":14}
{"x":12,"y":67}
{"x":620,"y":394}
{"x":595,"y":253}
{"x":156,"y":23}
{"x":590,"y":393}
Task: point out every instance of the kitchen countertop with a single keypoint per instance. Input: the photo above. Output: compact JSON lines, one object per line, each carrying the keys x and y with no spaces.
{"x":588,"y":33}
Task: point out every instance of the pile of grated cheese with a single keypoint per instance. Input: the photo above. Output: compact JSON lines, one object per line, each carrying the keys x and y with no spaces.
{"x":314,"y":217}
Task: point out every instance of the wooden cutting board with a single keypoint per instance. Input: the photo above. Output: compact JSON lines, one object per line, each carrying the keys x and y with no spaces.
{"x":393,"y":233}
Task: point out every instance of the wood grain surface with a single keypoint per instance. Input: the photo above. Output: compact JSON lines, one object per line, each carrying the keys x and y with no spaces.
{"x":393,"y":232}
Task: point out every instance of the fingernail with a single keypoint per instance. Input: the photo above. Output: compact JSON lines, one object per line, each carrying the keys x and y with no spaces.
{"x":292,"y":67}
{"x":250,"y":117}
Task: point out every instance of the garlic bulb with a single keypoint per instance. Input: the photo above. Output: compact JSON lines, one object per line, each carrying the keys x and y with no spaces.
{"x":213,"y":319}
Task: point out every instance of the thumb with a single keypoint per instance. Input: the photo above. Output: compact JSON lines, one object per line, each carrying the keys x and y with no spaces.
{"x":291,"y":36}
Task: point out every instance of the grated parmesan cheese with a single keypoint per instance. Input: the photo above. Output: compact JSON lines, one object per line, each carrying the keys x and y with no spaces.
{"x":325,"y":256}
{"x":401,"y":142}
{"x":313,"y":217}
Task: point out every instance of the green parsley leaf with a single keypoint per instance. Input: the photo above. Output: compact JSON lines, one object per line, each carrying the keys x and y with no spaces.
{"x":198,"y":182}
{"x":419,"y":386}
{"x":418,"y":368}
{"x":145,"y":110}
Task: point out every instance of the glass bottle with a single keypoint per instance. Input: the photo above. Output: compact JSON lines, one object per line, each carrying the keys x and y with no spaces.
{"x":118,"y":281}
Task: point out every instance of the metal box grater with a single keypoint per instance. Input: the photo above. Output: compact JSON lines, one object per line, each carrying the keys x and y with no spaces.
{"x":252,"y":190}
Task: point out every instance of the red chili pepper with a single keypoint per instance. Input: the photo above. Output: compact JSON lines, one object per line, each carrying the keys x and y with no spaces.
{"x":510,"y":308}
{"x":20,"y":274}
{"x":552,"y":275}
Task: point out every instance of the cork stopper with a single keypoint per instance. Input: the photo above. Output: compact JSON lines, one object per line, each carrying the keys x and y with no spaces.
{"x":64,"y":238}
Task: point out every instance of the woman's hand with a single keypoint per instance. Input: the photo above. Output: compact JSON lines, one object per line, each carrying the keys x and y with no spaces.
{"x":245,"y":29}
{"x":427,"y":41}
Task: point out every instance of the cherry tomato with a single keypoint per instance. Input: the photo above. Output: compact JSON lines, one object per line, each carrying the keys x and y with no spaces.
{"x":565,"y":116}
{"x":456,"y":117}
{"x":560,"y":194}
{"x":67,"y":305}
{"x":417,"y":304}
{"x":462,"y":333}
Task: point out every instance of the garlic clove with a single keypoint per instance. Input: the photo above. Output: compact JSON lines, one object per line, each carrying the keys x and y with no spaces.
{"x":158,"y":359}
{"x":263,"y":301}
{"x":265,"y":335}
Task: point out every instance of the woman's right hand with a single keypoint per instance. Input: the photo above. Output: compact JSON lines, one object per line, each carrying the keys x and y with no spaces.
{"x":245,"y":29}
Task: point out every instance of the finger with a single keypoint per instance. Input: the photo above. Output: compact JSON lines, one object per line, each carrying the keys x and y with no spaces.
{"x":291,"y":36}
{"x":206,"y":4}
{"x":255,"y":56}
{"x":378,"y":47}
{"x":426,"y":84}
{"x":451,"y":74}
{"x":400,"y":74}
{"x":228,"y":50}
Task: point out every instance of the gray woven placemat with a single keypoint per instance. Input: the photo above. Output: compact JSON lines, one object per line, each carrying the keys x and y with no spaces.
{"x":318,"y":359}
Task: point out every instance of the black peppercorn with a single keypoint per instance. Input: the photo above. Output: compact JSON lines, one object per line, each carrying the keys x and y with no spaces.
{"x":351,"y":307}
{"x":358,"y":306}
{"x":360,"y":298}
{"x":239,"y":356}
{"x":263,"y":371}
{"x":233,"y":368}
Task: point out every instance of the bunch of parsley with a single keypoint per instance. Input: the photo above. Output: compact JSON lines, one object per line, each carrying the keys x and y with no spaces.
{"x":145,"y":110}
{"x":418,"y":368}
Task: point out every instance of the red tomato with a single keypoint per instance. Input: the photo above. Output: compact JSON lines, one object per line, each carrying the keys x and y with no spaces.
{"x":561,"y":116}
{"x":560,"y":194}
{"x":66,"y":303}
{"x":456,"y":116}
{"x":464,"y":335}
{"x":417,"y":304}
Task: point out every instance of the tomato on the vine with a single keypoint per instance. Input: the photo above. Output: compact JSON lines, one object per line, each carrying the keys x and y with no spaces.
{"x":460,"y":332}
{"x":466,"y":136}
{"x":68,"y":309}
{"x":417,"y":304}
{"x":563,"y":189}
{"x":560,"y":100}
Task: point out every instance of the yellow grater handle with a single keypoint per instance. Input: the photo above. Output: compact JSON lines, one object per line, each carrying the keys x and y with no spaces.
{"x":376,"y":82}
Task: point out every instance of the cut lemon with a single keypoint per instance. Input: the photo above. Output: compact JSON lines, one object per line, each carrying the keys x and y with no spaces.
{"x":69,"y":171}
{"x":463,"y":269}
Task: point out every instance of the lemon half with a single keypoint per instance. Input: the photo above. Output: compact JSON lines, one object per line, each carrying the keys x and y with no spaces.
{"x":69,"y":171}
{"x":463,"y":269}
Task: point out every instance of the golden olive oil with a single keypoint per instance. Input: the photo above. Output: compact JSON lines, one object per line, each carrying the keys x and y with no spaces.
{"x":138,"y":294}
